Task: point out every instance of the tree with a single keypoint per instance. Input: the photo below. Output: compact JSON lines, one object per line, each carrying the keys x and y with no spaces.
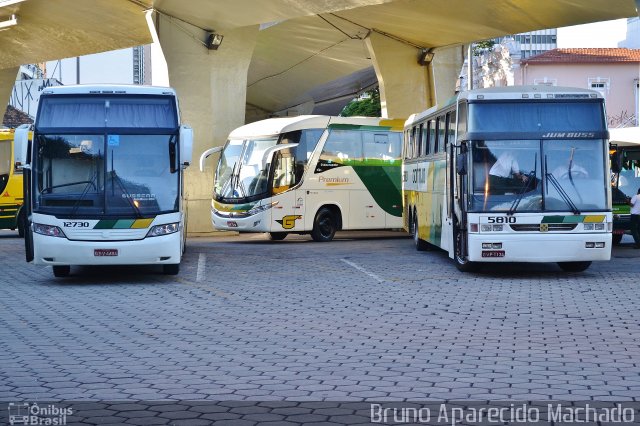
{"x":367,"y":105}
{"x":482,"y":46}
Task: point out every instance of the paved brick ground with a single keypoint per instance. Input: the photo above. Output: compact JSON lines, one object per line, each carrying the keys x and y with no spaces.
{"x":365,"y":318}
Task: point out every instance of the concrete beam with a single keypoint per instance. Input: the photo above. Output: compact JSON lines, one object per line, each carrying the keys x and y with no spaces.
{"x":446,"y":65}
{"x":211,"y":85}
{"x":405,"y":85}
{"x":7,"y":82}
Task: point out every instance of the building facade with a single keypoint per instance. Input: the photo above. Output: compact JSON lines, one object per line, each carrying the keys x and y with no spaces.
{"x":614,"y":72}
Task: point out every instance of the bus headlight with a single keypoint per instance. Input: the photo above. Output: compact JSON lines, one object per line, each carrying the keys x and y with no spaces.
{"x":259,"y":209}
{"x":166,"y":229}
{"x":49,"y":230}
{"x":588,"y":226}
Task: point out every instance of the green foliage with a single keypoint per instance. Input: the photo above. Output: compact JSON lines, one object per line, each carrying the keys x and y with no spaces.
{"x":482,"y":46}
{"x":365,"y":106}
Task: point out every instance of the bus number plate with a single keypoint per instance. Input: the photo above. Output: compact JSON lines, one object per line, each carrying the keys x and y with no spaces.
{"x":105,"y":252}
{"x":231,"y":224}
{"x":493,"y":253}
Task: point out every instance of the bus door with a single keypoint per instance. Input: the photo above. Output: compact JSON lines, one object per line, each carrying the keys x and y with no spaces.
{"x":458,"y":200}
{"x":288,"y":214}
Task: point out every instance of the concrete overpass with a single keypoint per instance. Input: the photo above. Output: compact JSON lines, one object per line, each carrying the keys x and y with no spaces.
{"x":290,"y":56}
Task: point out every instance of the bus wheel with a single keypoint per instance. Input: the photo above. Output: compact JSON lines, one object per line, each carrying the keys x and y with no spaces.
{"x":617,"y":238}
{"x":22,"y":223}
{"x":421,"y":245}
{"x":277,"y":236}
{"x":574,"y":266}
{"x":61,"y":271}
{"x":171,"y":269}
{"x":462,"y":263}
{"x":324,"y":226}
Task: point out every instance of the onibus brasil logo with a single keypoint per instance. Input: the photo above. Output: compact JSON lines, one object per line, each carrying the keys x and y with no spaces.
{"x":33,"y":414}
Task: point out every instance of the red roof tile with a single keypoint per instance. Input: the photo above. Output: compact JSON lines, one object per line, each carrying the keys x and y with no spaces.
{"x":14,"y":117}
{"x":585,"y":56}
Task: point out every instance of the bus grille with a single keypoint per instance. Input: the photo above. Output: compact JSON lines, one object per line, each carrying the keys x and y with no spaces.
{"x":552,"y":227}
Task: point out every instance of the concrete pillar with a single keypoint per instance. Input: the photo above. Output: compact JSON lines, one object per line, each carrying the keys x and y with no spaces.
{"x":7,"y":82}
{"x":446,"y":65}
{"x":212,"y":86}
{"x":405,"y":85}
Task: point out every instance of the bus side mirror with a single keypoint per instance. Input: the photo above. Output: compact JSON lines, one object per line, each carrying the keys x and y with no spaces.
{"x":616,"y":162}
{"x":21,"y":144}
{"x":186,"y":145}
{"x":461,"y":164}
{"x":208,"y":153}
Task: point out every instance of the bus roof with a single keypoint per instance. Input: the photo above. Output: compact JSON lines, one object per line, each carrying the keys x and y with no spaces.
{"x":625,"y":136}
{"x":276,"y":126}
{"x":512,"y":93}
{"x":108,"y":89}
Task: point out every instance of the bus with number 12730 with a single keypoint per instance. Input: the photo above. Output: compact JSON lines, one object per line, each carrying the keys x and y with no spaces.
{"x":104,"y":178}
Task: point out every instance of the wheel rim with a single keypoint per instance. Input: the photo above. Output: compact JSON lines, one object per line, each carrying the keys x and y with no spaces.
{"x":325,"y":226}
{"x":414,"y":229}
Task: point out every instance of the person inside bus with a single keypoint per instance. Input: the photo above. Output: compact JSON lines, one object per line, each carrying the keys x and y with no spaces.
{"x":505,"y":176}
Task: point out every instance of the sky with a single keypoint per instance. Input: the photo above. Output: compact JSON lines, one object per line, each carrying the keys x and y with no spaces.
{"x":598,"y":34}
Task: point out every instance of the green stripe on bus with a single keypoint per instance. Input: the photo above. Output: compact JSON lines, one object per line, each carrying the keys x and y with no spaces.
{"x":105,"y":224}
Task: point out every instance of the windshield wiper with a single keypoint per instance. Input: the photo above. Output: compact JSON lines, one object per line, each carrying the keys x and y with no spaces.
{"x":85,"y":191}
{"x":525,"y":186}
{"x":567,"y":199}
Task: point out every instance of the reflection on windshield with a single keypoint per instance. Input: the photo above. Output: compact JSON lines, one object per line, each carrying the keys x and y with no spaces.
{"x":240,"y":171}
{"x":74,"y":177}
{"x":508,"y":175}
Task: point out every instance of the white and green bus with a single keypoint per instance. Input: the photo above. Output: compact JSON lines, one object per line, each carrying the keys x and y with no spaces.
{"x":309,"y":174}
{"x":514,"y":174}
{"x":104,"y":178}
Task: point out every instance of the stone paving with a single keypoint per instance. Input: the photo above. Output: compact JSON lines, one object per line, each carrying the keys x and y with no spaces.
{"x":363,"y":318}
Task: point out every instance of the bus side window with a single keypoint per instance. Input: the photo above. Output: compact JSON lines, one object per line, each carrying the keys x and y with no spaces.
{"x":441,"y":133}
{"x":342,"y":145}
{"x":405,"y":146}
{"x":381,"y":146}
{"x":451,"y":127}
{"x":433,"y":140}
{"x":425,"y":138}
{"x":412,"y":142}
{"x":420,"y":152}
{"x":436,"y":144}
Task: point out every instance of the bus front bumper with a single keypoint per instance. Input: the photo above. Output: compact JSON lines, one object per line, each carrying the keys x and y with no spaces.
{"x":540,"y":248}
{"x":160,"y":250}
{"x":258,"y":222}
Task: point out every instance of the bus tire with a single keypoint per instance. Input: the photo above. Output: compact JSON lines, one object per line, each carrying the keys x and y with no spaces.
{"x":325,"y":225}
{"x":61,"y":271}
{"x":616,"y":239}
{"x":462,"y":263}
{"x":278,"y":236}
{"x":574,"y":266}
{"x":421,"y":245}
{"x":22,"y":223}
{"x":171,"y":269}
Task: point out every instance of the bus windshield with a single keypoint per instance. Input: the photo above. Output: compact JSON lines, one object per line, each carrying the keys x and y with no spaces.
{"x":534,"y":175}
{"x":243,"y":172}
{"x":240,"y":173}
{"x":93,"y":175}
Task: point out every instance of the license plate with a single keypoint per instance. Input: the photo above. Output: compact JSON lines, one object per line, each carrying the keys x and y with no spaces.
{"x":232,"y":224}
{"x":105,"y":252}
{"x":493,"y":253}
